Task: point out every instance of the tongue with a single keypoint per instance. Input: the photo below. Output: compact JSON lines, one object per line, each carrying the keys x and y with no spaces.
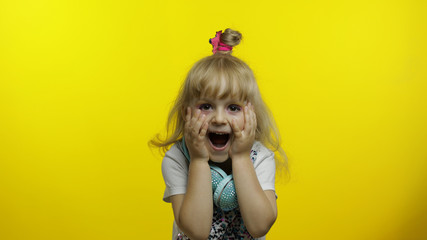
{"x":219,"y":140}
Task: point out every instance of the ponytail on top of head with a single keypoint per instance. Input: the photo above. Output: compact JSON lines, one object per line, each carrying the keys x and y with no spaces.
{"x":231,"y":37}
{"x":223,"y":42}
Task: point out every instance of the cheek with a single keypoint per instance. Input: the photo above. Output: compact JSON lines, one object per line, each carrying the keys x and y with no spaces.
{"x":240,"y":120}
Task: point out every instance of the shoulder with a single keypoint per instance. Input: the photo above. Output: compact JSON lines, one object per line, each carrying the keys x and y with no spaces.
{"x":174,"y":171}
{"x":174,"y":159}
{"x":175,"y":151}
{"x":261,"y":154}
{"x":265,"y":165}
{"x":258,"y":146}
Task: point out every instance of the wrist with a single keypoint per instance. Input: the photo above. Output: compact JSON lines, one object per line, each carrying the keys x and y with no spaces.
{"x":198,"y":158}
{"x":243,"y":156}
{"x":199,"y":161}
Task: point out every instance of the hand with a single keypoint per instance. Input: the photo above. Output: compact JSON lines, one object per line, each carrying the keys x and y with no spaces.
{"x":244,"y":139}
{"x":195,"y":129}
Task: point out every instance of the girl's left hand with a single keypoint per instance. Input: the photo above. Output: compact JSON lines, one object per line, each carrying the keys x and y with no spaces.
{"x":244,"y":139}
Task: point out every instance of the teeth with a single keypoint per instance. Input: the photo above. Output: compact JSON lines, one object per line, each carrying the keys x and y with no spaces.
{"x":218,"y":133}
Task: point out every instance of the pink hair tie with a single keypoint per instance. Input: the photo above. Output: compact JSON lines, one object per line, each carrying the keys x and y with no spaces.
{"x":218,"y":45}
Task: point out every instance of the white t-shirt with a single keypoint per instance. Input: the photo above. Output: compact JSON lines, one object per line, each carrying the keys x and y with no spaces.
{"x":175,"y":172}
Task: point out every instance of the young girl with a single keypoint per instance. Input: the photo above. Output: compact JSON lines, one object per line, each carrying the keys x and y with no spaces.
{"x":219,"y":175}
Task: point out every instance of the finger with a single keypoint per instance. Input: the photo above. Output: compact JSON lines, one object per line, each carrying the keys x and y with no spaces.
{"x":204,"y":130}
{"x":199,"y":123}
{"x":247,"y":118}
{"x":253,"y":116}
{"x":249,"y":121}
{"x":255,"y":123}
{"x":195,"y":117}
{"x":236,"y":130}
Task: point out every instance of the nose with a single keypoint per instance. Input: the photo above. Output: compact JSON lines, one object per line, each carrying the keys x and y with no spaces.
{"x":219,"y":117}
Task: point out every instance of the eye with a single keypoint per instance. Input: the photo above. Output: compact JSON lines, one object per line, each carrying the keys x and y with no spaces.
{"x":205,"y":107}
{"x":234,"y":108}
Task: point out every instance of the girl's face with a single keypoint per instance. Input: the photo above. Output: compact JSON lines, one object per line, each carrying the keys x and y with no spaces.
{"x":219,"y":113}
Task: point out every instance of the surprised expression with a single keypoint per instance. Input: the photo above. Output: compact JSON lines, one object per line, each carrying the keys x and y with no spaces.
{"x":219,"y":114}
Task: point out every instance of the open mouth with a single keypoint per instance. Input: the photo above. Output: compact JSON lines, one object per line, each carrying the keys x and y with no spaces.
{"x":219,"y":141}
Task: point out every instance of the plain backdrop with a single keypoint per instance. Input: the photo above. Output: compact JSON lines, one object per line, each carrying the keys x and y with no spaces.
{"x":84,"y":85}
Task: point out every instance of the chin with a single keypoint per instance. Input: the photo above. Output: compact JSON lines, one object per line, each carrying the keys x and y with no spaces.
{"x":218,"y":158}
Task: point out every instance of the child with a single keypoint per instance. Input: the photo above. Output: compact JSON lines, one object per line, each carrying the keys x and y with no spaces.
{"x":219,"y":175}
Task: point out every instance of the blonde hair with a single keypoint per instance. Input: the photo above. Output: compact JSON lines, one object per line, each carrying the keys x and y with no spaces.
{"x":221,"y":76}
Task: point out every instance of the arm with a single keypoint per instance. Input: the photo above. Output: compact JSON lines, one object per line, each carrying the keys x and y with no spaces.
{"x":258,"y":207}
{"x":193,"y":210}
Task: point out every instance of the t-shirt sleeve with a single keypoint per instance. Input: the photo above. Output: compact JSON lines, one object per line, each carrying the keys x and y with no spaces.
{"x":265,"y":167}
{"x":174,"y":170}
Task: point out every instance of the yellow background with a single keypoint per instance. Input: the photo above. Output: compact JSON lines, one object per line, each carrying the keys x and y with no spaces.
{"x":84,"y":85}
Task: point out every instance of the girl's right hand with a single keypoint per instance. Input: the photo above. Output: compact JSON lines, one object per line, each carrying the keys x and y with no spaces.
{"x":194,"y":132}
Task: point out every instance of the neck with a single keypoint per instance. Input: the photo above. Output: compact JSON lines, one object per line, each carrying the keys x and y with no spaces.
{"x":225,"y":166}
